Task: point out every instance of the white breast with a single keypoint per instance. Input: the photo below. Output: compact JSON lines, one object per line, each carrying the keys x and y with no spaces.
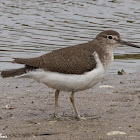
{"x":69,"y":82}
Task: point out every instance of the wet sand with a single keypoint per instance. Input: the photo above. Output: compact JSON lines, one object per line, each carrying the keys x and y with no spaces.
{"x":26,"y":110}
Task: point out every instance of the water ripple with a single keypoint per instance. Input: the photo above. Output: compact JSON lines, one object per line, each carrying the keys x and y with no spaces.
{"x":31,"y":28}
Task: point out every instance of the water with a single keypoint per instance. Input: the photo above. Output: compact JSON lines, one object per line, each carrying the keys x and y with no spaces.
{"x":30,"y":28}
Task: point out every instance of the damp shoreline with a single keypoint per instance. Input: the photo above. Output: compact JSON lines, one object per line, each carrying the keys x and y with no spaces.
{"x":26,"y":110}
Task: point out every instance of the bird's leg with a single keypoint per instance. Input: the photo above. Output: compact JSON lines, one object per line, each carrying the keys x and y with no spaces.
{"x":56,"y":104}
{"x":74,"y":106}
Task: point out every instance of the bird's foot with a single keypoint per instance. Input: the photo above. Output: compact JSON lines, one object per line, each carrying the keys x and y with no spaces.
{"x":57,"y":117}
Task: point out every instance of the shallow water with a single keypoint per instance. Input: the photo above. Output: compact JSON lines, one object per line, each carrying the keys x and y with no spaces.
{"x":30,"y":28}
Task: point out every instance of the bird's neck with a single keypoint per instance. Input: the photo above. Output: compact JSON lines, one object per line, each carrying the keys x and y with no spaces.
{"x":107,"y":58}
{"x":106,"y":53}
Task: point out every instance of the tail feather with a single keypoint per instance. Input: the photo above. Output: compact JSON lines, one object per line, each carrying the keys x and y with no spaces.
{"x":15,"y":72}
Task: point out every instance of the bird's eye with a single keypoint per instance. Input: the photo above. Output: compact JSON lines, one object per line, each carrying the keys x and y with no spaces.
{"x":110,"y":37}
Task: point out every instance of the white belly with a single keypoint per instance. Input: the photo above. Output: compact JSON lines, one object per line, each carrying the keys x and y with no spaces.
{"x":69,"y":82}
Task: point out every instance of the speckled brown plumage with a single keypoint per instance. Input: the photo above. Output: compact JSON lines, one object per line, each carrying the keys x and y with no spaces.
{"x":69,"y":61}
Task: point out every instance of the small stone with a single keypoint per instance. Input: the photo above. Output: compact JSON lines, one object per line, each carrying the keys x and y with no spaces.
{"x":2,"y":137}
{"x":9,"y":107}
{"x":106,"y":86}
{"x":115,"y":133}
{"x":52,"y":122}
{"x":122,"y":72}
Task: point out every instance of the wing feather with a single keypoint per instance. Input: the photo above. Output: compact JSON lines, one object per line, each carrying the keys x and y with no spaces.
{"x":68,"y":61}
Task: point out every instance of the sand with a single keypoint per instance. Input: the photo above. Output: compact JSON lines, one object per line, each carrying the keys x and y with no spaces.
{"x":112,"y":109}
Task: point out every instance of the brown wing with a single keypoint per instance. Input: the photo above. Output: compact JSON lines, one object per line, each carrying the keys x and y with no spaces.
{"x":68,"y":61}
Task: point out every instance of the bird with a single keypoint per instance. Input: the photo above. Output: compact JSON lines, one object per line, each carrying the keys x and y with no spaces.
{"x":71,"y":69}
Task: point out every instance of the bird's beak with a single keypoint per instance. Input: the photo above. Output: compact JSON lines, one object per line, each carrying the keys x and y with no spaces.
{"x":122,"y":42}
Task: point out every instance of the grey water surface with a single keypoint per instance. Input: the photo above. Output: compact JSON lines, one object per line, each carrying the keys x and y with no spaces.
{"x":30,"y":28}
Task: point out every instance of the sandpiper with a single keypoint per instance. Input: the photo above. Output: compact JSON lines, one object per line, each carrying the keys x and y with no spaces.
{"x":73,"y":68}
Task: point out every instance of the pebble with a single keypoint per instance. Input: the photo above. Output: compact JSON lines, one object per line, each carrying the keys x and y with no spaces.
{"x":1,"y":136}
{"x":115,"y":133}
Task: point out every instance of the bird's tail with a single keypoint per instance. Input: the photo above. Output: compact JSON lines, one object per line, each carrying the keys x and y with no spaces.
{"x":15,"y":72}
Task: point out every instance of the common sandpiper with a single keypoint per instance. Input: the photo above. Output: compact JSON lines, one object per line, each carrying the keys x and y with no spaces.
{"x":71,"y":69}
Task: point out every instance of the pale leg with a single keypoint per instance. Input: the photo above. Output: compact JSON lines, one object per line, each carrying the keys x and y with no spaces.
{"x":56,"y":104}
{"x":74,"y":106}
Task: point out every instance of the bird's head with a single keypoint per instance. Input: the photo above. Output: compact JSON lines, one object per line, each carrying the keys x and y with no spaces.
{"x":112,"y":38}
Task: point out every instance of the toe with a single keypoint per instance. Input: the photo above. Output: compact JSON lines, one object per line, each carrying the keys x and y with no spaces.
{"x":81,"y":118}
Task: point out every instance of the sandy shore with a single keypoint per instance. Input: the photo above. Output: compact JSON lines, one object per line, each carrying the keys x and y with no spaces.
{"x":26,"y":111}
